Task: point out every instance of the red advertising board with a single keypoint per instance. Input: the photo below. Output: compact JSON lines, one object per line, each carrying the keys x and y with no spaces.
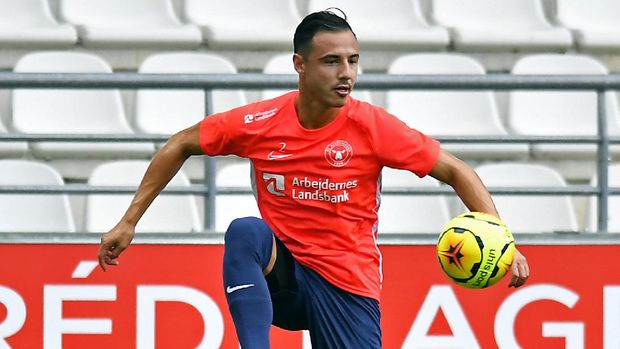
{"x":171,"y":296}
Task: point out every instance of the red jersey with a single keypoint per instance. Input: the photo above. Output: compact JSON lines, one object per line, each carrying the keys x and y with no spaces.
{"x":318,"y":189}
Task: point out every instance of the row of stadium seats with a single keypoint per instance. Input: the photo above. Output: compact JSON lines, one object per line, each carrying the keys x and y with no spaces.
{"x":54,"y":212}
{"x":438,"y":113}
{"x":180,"y":213}
{"x":240,"y":24}
{"x":63,"y":213}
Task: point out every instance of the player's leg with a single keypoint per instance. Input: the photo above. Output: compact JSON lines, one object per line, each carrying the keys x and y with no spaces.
{"x":340,"y":319}
{"x":247,"y":253}
{"x":289,"y":311}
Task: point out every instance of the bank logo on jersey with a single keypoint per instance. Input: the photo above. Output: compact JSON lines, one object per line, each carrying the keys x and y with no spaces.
{"x":313,"y":189}
{"x":338,"y":153}
{"x":275,"y":183}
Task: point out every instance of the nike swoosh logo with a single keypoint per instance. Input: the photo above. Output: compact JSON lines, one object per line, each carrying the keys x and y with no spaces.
{"x":237,"y":288}
{"x":272,"y":156}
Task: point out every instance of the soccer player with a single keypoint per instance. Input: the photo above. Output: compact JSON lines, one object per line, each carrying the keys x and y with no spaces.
{"x":312,"y":260}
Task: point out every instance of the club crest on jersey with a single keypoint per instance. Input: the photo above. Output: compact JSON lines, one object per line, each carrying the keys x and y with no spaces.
{"x":338,"y":153}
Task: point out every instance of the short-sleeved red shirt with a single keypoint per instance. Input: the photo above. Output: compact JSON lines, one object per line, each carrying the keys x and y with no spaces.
{"x":318,"y":189}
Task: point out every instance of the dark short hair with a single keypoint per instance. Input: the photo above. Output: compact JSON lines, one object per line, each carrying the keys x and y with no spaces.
{"x":316,"y":22}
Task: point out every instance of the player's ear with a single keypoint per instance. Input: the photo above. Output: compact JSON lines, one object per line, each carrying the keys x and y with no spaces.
{"x":298,"y":63}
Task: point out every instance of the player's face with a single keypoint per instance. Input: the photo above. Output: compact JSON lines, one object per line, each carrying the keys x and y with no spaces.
{"x":329,"y":70}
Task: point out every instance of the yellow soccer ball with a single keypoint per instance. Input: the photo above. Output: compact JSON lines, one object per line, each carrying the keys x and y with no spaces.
{"x":475,"y":249}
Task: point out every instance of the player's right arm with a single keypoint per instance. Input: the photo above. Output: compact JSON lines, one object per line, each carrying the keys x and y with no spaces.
{"x":165,"y":164}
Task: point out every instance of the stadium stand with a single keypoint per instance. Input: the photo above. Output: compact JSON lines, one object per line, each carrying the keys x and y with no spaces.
{"x":169,"y":111}
{"x":11,"y":149}
{"x":244,"y":25}
{"x":403,"y":26}
{"x":500,"y":25}
{"x":595,"y":24}
{"x":168,"y":213}
{"x":278,"y":64}
{"x":530,"y":213}
{"x":230,"y":206}
{"x":411,"y":213}
{"x":613,"y":204}
{"x":451,"y":113}
{"x":73,"y":112}
{"x":283,"y":64}
{"x":129,"y":24}
{"x":30,"y":23}
{"x":146,"y":36}
{"x":540,"y":112}
{"x":53,"y":212}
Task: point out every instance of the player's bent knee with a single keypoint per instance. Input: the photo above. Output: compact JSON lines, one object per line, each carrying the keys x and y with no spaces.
{"x":247,"y":228}
{"x":249,"y":236}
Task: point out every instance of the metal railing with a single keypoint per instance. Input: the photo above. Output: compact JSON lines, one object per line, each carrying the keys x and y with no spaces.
{"x":207,"y":82}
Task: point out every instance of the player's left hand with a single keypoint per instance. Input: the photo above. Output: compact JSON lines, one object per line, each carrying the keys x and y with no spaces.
{"x":519,"y":269}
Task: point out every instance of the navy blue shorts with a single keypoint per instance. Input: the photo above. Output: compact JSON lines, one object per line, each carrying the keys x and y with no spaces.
{"x":303,"y":300}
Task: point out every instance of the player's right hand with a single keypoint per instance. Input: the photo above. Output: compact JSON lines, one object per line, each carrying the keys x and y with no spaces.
{"x":113,"y":243}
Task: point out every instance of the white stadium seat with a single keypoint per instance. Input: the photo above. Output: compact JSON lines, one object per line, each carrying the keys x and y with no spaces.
{"x":167,"y":213}
{"x":278,"y":64}
{"x":283,"y":64}
{"x":168,"y":111}
{"x":411,"y":213}
{"x":129,"y":24}
{"x":29,"y":23}
{"x":499,"y":25}
{"x":451,"y":113}
{"x":395,"y":23}
{"x":613,"y":204}
{"x":560,"y":113}
{"x":72,"y":111}
{"x":228,"y":207}
{"x":241,"y":24}
{"x":530,"y":213}
{"x":595,"y":24}
{"x":33,"y":212}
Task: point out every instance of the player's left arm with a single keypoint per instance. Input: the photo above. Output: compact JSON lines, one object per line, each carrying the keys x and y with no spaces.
{"x":474,"y":194}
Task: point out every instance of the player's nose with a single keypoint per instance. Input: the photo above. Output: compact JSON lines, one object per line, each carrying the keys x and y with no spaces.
{"x":346,"y":71}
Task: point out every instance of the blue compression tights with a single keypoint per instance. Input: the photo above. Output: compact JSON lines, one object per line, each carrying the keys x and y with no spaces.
{"x":247,"y":250}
